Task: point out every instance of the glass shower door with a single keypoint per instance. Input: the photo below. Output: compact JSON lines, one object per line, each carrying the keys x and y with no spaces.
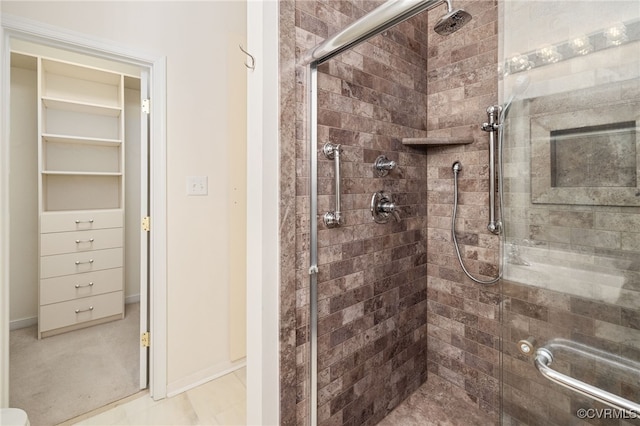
{"x":571,"y":104}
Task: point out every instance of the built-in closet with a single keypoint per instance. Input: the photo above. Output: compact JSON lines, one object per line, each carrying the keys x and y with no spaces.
{"x":77,"y":252}
{"x":81,"y":196}
{"x":76,"y":136}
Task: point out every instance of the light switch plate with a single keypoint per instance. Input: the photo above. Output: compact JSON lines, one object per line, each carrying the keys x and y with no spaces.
{"x":197,"y":185}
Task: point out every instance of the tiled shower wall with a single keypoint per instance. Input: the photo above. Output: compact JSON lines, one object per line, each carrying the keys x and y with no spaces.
{"x":372,"y":277}
{"x":463,"y":317}
{"x":583,"y":258}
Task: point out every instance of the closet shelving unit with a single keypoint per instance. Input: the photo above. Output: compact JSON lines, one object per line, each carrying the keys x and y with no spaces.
{"x":81,"y":196}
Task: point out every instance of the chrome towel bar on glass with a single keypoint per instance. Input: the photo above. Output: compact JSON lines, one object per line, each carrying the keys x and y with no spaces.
{"x":544,"y":359}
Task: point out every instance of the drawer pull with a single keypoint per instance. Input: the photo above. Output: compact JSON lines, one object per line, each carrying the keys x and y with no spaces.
{"x":80,"y":263}
{"x":84,"y":221}
{"x":90,"y":308}
{"x":84,"y":285}
{"x":90,"y":240}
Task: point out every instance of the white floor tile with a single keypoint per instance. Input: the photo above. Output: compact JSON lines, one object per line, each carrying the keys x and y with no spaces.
{"x":218,"y":402}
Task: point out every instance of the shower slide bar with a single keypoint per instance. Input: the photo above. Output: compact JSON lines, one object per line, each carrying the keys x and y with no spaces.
{"x":544,"y":359}
{"x":493,"y":127}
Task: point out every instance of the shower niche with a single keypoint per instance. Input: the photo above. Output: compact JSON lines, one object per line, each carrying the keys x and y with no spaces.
{"x":585,"y":157}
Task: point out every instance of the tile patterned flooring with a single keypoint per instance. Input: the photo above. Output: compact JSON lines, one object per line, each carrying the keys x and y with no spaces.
{"x":219,"y":402}
{"x":438,"y":403}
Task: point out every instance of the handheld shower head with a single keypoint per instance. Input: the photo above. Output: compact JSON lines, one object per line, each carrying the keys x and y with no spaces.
{"x":452,"y":21}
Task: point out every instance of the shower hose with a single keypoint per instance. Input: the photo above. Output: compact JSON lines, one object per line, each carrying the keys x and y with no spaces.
{"x":456,"y":169}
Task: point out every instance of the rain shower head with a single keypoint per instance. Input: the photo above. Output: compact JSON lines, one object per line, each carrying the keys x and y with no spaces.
{"x":452,"y":21}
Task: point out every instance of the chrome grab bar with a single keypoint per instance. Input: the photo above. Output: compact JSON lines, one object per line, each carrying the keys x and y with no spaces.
{"x":543,"y":360}
{"x":332,"y":151}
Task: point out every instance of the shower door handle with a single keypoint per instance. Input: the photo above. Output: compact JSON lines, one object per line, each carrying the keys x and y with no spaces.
{"x":543,"y":360}
{"x":332,"y":151}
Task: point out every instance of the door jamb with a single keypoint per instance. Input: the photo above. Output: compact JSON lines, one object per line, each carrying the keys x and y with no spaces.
{"x":25,"y":29}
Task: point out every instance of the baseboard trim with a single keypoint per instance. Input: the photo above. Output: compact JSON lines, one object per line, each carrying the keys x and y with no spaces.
{"x":22,"y":323}
{"x":28,"y":322}
{"x":203,"y":376}
{"x":134,"y":298}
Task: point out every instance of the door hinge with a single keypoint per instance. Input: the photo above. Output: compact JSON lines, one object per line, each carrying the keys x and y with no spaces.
{"x":145,"y":339}
{"x":146,"y":223}
{"x":146,"y":106}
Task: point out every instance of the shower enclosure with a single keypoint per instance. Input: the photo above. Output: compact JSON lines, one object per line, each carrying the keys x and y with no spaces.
{"x":381,"y":302}
{"x":571,"y":285}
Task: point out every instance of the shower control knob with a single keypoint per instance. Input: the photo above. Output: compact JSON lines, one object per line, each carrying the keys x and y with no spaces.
{"x":383,"y":207}
{"x":382,"y":166}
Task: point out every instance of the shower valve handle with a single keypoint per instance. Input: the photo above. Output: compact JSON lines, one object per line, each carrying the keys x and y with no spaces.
{"x":382,"y":166}
{"x":383,"y":207}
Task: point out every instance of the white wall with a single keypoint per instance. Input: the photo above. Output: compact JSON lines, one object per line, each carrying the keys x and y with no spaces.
{"x":198,"y":39}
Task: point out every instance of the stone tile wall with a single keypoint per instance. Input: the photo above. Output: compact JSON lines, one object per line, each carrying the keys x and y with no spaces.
{"x":287,"y":205}
{"x":372,"y":277}
{"x":463,"y":317}
{"x":529,"y":398}
{"x":582,"y":278}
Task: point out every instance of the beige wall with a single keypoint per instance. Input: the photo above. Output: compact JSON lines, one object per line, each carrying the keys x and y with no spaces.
{"x":23,"y":198}
{"x":198,"y":39}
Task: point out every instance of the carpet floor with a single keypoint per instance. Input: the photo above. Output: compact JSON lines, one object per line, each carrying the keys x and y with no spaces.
{"x":64,"y":376}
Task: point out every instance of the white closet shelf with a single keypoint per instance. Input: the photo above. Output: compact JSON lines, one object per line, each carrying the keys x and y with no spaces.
{"x":81,"y":107}
{"x":50,"y":137}
{"x":71,"y":70}
{"x":65,"y":173}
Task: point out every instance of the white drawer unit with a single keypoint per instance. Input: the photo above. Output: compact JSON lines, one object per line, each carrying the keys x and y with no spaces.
{"x":76,"y":263}
{"x":78,"y":311}
{"x":81,"y":220}
{"x":69,"y":287}
{"x":79,"y":241}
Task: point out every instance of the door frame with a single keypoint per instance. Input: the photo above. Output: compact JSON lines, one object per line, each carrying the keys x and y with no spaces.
{"x":12,"y":27}
{"x":263,"y":215}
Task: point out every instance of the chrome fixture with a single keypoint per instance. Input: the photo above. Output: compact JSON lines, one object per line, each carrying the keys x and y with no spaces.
{"x":544,"y":358}
{"x":492,"y":127}
{"x":452,"y":21}
{"x":526,"y":346}
{"x":332,"y":152}
{"x":457,"y":168}
{"x":380,"y":19}
{"x":383,"y":207}
{"x":383,"y":166}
